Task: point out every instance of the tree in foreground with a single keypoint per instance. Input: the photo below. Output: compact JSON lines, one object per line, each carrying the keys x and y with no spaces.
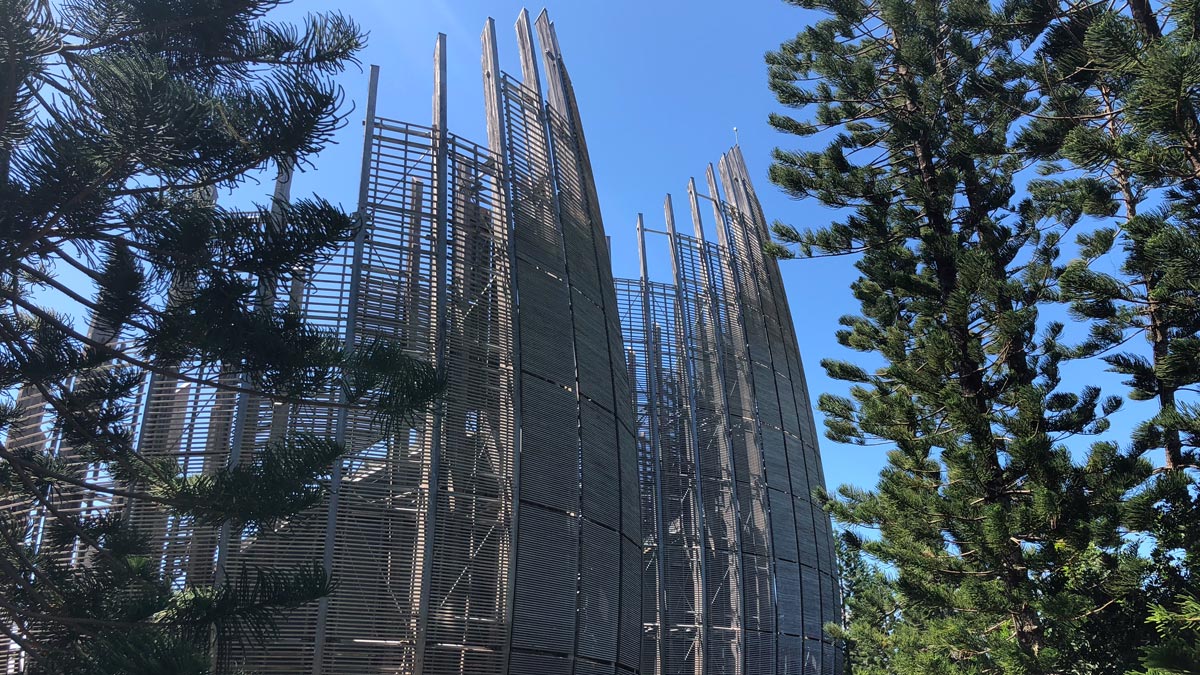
{"x":1177,"y":652}
{"x":1007,"y":550}
{"x":117,"y":118}
{"x":1119,"y":91}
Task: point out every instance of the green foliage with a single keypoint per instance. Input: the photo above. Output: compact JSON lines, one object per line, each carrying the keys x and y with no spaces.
{"x":868,"y":633}
{"x":1009,"y":552}
{"x":1131,"y":75}
{"x":1178,"y":652}
{"x":250,"y":496}
{"x":119,"y":120}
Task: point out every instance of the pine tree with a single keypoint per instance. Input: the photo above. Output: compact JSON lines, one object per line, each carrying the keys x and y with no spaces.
{"x":1007,"y":550}
{"x":118,"y":119}
{"x":871,"y":622}
{"x":1119,"y":108}
{"x":1178,"y":650}
{"x":1108,"y":77}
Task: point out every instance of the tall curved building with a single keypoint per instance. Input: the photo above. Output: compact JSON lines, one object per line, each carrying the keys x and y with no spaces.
{"x":617,"y":479}
{"x":740,"y":575}
{"x":500,"y":534}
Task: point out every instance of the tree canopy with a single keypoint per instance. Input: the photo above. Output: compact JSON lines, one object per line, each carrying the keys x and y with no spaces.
{"x":119,"y":122}
{"x":991,"y":164}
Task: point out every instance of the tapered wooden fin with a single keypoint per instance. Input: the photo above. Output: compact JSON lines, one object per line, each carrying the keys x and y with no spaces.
{"x":529,"y":69}
{"x":552,"y":60}
{"x":492,"y":88}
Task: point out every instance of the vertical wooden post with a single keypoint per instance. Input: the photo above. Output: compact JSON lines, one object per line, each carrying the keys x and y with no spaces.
{"x":529,"y":68}
{"x":493,"y":101}
{"x":441,"y":196}
{"x":689,"y":374}
{"x":360,"y":242}
{"x":653,"y":365}
{"x":714,"y":317}
{"x":281,"y":412}
{"x":719,"y":220}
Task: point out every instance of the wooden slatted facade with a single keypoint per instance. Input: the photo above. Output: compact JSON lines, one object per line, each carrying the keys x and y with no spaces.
{"x":617,"y":479}
{"x":739,"y":569}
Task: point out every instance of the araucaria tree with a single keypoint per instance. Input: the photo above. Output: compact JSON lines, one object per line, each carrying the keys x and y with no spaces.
{"x":871,"y":630}
{"x":118,"y":272}
{"x":1007,"y":548}
{"x":1119,"y":94}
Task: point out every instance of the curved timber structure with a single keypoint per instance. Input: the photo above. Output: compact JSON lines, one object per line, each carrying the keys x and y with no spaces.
{"x":501,"y":534}
{"x":617,"y":479}
{"x":740,"y":575}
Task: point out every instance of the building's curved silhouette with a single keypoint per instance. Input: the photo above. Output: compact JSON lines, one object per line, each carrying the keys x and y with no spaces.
{"x":501,"y":534}
{"x":740,"y":574}
{"x":547,"y":517}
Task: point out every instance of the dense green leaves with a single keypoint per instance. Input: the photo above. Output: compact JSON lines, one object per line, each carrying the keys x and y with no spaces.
{"x":1132,"y":71}
{"x":1178,"y":626}
{"x":872,"y":613}
{"x":120,"y":120}
{"x":1007,"y":535}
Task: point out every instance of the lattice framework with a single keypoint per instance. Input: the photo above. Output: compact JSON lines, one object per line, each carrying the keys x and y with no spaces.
{"x":738,"y":561}
{"x":618,"y":477}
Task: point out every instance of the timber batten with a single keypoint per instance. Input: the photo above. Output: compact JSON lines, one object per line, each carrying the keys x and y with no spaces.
{"x":738,"y":561}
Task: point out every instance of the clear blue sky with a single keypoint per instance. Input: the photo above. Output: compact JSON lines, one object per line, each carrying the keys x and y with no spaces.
{"x":661,"y":84}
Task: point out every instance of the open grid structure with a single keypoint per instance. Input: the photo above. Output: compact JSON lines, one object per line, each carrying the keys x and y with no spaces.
{"x":502,"y":532}
{"x":739,"y":570}
{"x":617,"y":478}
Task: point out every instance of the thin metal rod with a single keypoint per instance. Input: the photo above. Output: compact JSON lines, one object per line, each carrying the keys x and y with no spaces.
{"x":693,"y":428}
{"x":360,"y":241}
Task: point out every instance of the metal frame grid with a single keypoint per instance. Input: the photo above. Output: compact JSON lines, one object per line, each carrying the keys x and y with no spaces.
{"x":534,"y":521}
{"x":728,"y":454}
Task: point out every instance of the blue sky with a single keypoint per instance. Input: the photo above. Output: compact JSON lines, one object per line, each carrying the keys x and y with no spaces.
{"x":661,"y":84}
